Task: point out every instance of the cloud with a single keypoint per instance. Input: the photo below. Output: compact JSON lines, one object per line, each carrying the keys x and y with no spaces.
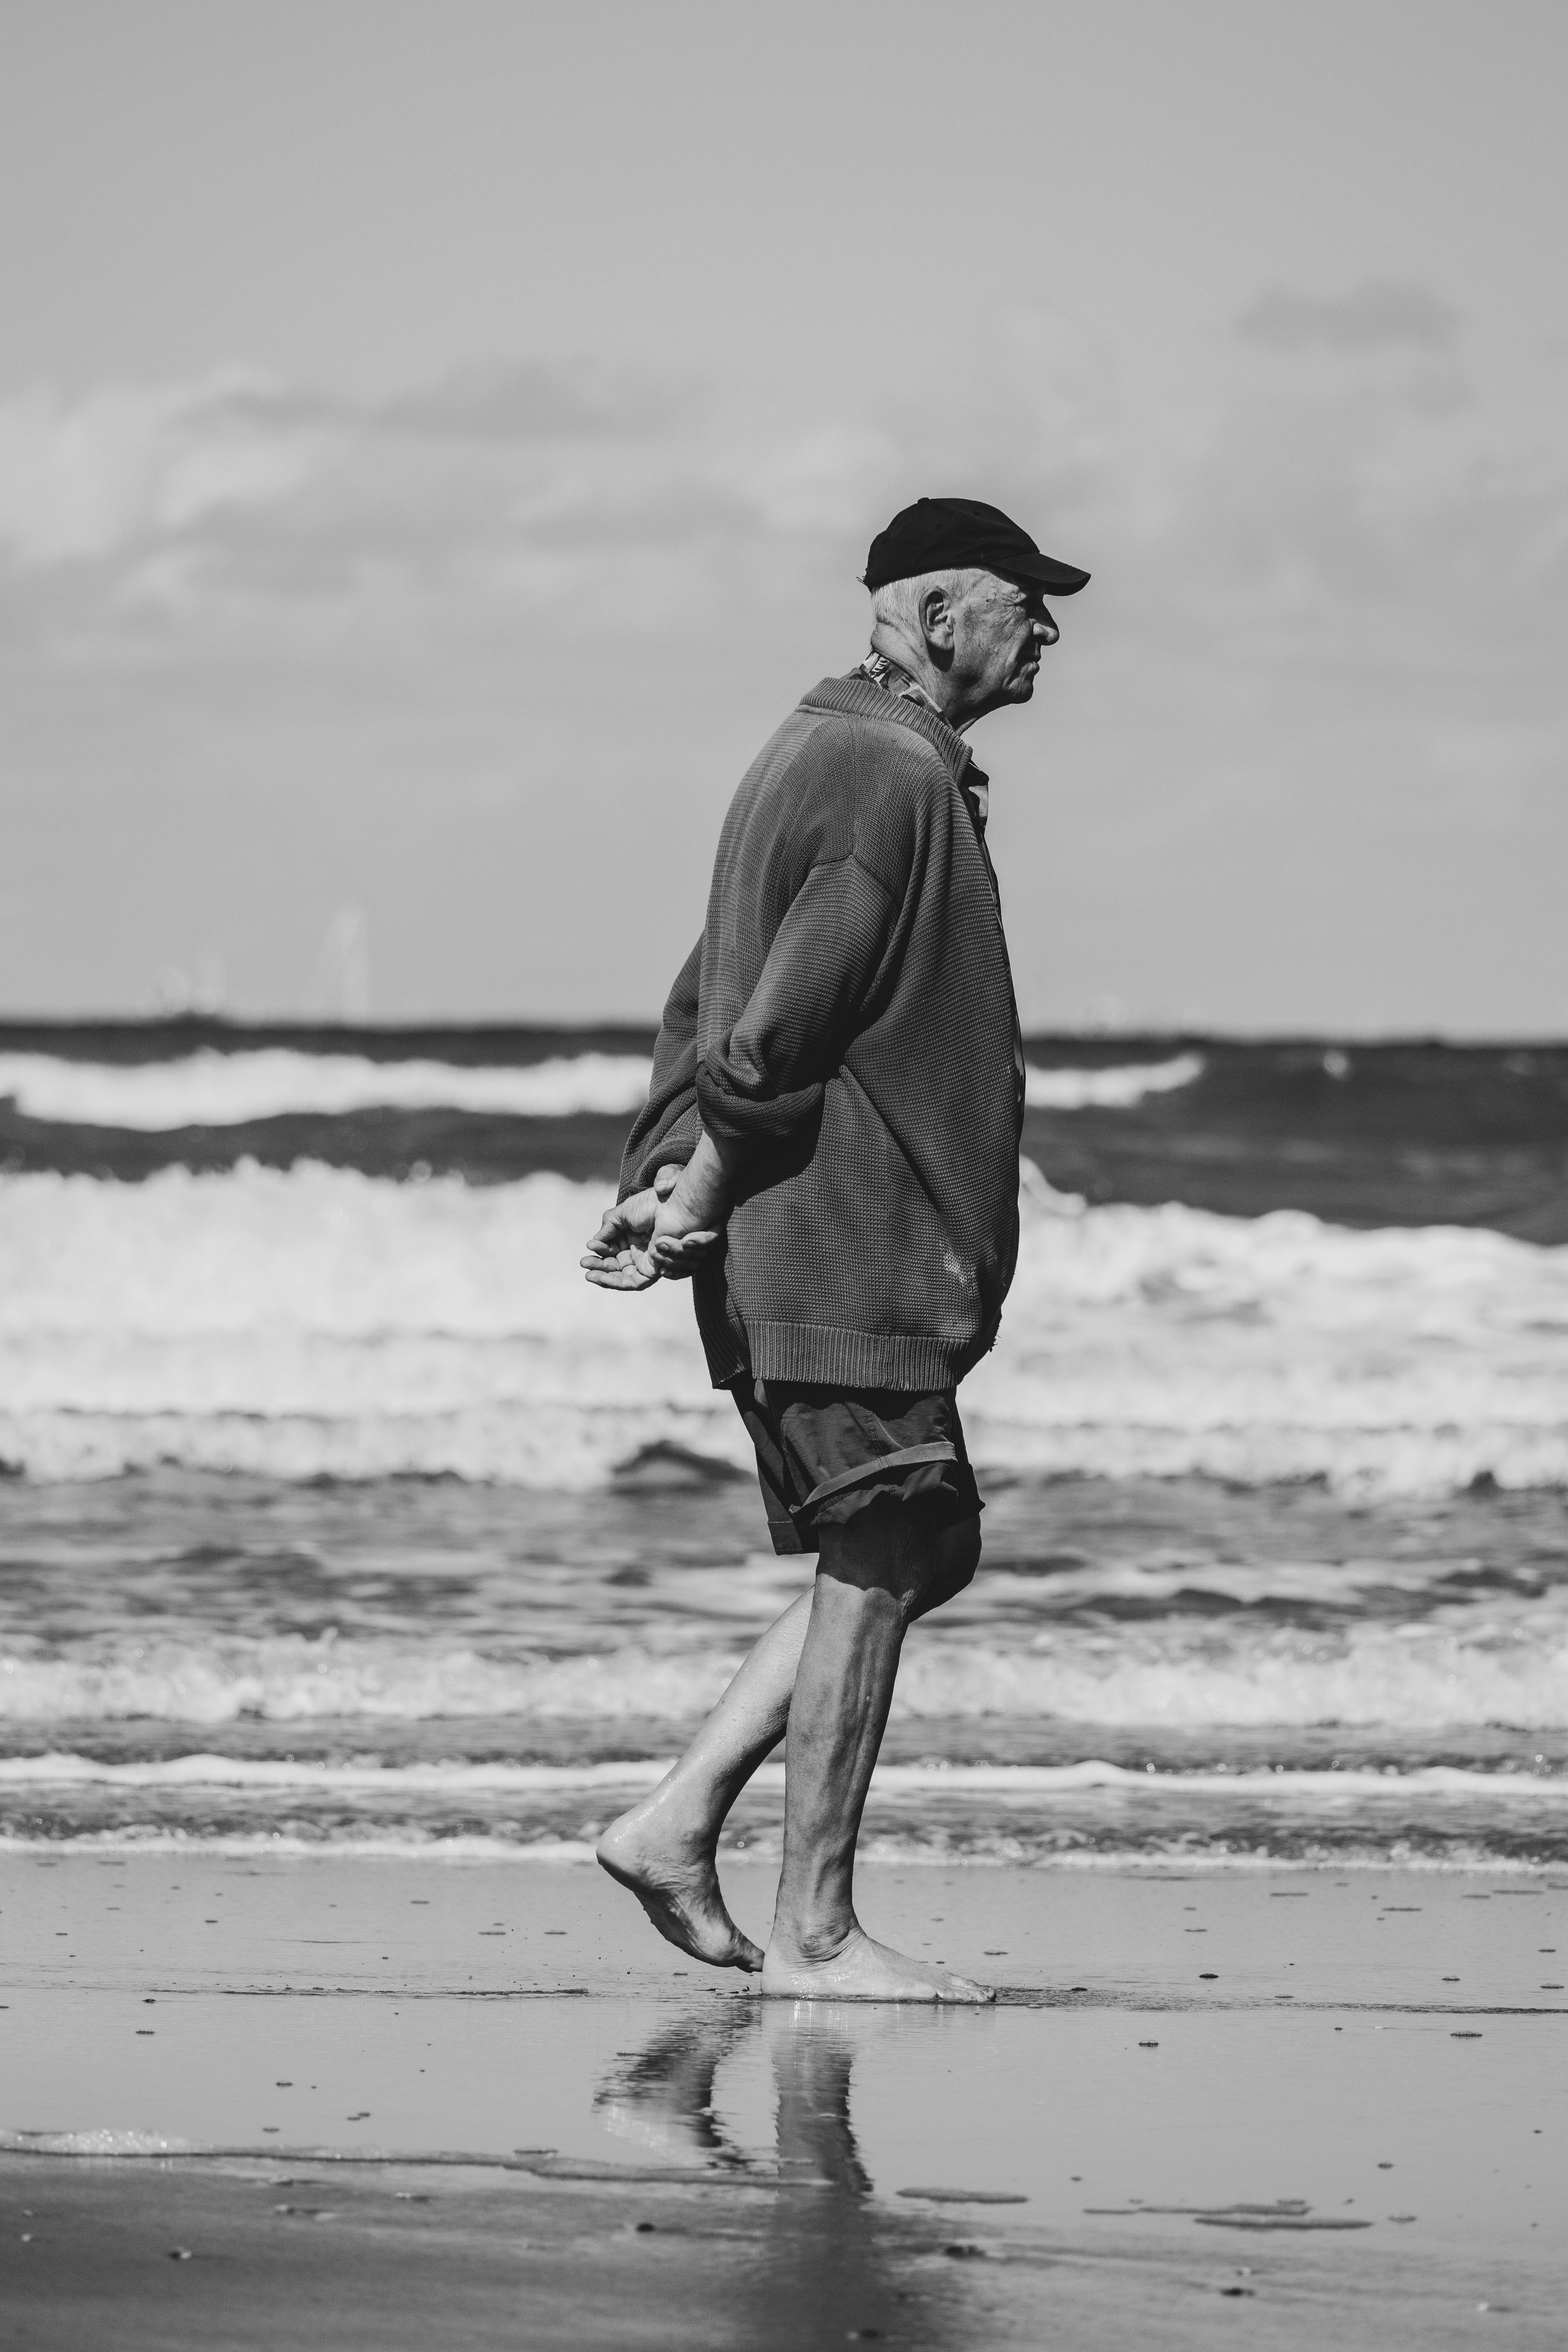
{"x":1380,"y":314}
{"x":1337,"y":506}
{"x":549,"y":485}
{"x":79,"y":482}
{"x":220,"y":466}
{"x":1329,"y":596}
{"x":511,"y":400}
{"x":236,"y":502}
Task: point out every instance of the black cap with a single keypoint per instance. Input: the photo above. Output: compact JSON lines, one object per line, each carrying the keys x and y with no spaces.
{"x":960,"y":534}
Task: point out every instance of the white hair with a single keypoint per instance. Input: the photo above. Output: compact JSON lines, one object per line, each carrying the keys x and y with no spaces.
{"x":897,"y":603}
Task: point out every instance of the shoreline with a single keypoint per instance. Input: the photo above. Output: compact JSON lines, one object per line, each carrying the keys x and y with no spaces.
{"x":483,"y":1853}
{"x":433,"y":2102}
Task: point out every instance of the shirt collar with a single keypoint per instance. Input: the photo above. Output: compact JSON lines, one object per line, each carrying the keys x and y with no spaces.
{"x":883,"y":672}
{"x":855,"y":695}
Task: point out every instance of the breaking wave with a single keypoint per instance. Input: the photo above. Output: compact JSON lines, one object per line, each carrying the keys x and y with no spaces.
{"x":927,"y":1783}
{"x":1491,"y":1668}
{"x":957,"y":1813}
{"x":213,"y":1089}
{"x":318,"y":1322}
{"x":208,"y":1089}
{"x":1116,"y":1089}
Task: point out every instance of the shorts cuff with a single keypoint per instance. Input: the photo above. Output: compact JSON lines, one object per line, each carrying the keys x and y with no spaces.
{"x":788,"y":1538}
{"x":947,"y":1484}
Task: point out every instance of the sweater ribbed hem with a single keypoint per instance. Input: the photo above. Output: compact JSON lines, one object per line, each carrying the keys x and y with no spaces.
{"x":857,"y":1359}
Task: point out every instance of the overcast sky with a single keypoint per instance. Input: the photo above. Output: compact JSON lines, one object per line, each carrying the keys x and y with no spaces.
{"x":439,"y":441}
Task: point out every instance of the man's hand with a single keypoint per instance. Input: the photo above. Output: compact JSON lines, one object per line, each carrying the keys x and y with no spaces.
{"x":688,"y":1225}
{"x":616,"y":1257}
{"x":681,"y":1239}
{"x":646,"y":1236}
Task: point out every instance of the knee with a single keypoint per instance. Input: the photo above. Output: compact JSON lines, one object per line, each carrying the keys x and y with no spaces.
{"x":894,"y":1548}
{"x":958,"y":1556}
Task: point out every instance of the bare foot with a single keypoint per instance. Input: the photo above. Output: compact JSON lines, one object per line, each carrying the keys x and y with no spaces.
{"x":862,"y":1970}
{"x":676,"y":1884}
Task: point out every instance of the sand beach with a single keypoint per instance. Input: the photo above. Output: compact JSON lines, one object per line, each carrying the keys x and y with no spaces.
{"x":366,"y":2102}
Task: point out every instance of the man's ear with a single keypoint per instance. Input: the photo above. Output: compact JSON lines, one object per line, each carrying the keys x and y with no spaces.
{"x":936,"y":619}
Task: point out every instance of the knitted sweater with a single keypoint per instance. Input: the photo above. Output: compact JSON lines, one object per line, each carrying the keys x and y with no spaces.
{"x":847,"y":1019}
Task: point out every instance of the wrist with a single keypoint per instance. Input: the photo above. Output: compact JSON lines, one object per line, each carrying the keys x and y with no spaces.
{"x":702,"y":1193}
{"x":727,"y":1151}
{"x":701,"y":1200}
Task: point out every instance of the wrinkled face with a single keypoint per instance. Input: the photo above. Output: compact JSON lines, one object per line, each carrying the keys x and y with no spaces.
{"x":1001,"y":629}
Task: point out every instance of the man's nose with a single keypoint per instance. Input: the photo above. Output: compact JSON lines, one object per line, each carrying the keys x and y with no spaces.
{"x":1046,"y":628}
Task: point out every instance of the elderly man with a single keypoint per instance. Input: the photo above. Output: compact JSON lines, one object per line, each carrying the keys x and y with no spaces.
{"x":830,"y":1150}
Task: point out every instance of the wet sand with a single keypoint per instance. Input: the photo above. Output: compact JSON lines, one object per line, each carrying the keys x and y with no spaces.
{"x":430,"y":2104}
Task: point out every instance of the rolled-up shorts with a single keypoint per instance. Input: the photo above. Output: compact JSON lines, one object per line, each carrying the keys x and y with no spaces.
{"x":825,"y":1453}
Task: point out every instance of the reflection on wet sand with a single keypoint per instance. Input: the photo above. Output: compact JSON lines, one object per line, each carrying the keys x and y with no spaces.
{"x":661,"y":2096}
{"x":833,"y":2265}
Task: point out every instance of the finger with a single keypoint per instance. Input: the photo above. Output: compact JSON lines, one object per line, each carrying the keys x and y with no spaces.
{"x":682,"y":1264}
{"x":634,"y":1214}
{"x":670,"y":1249}
{"x":618,"y":1253}
{"x":620,"y":1277}
{"x":616,"y":1246}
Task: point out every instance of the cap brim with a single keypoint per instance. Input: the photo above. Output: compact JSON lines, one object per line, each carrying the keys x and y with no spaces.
{"x":1061,"y":579}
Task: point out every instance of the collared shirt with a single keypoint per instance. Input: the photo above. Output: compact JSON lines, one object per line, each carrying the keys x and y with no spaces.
{"x":975,"y":786}
{"x":882,"y":671}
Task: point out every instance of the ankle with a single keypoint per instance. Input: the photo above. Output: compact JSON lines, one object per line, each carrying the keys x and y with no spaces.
{"x":815,"y":1941}
{"x":673,"y":1828}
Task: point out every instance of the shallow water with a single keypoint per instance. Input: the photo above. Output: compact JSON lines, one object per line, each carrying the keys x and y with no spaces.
{"x":1262,"y":1671}
{"x":331,"y":1472}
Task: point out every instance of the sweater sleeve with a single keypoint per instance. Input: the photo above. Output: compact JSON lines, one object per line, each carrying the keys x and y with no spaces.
{"x":667,"y":1128}
{"x":766,"y":1076}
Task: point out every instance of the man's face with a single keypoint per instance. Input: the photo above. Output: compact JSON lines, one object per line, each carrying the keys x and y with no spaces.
{"x":1001,"y":630}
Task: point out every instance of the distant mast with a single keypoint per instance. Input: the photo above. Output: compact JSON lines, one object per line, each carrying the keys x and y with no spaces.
{"x":339,"y":988}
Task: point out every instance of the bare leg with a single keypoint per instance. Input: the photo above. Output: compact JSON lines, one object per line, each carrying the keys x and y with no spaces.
{"x":663,"y":1850}
{"x":875,"y":1573}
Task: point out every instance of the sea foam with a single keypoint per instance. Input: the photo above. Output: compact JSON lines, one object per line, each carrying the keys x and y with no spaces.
{"x":106,"y":2141}
{"x":213,"y":1089}
{"x":1497,"y":1670}
{"x":1117,"y":1087}
{"x":321,"y":1322}
{"x":208,"y":1089}
{"x":925,"y":1783}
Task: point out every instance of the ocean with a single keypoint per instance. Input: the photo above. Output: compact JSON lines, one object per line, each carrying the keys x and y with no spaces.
{"x":337,"y":1510}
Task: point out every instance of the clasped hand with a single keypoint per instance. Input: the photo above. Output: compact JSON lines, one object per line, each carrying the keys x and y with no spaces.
{"x":648,"y":1235}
